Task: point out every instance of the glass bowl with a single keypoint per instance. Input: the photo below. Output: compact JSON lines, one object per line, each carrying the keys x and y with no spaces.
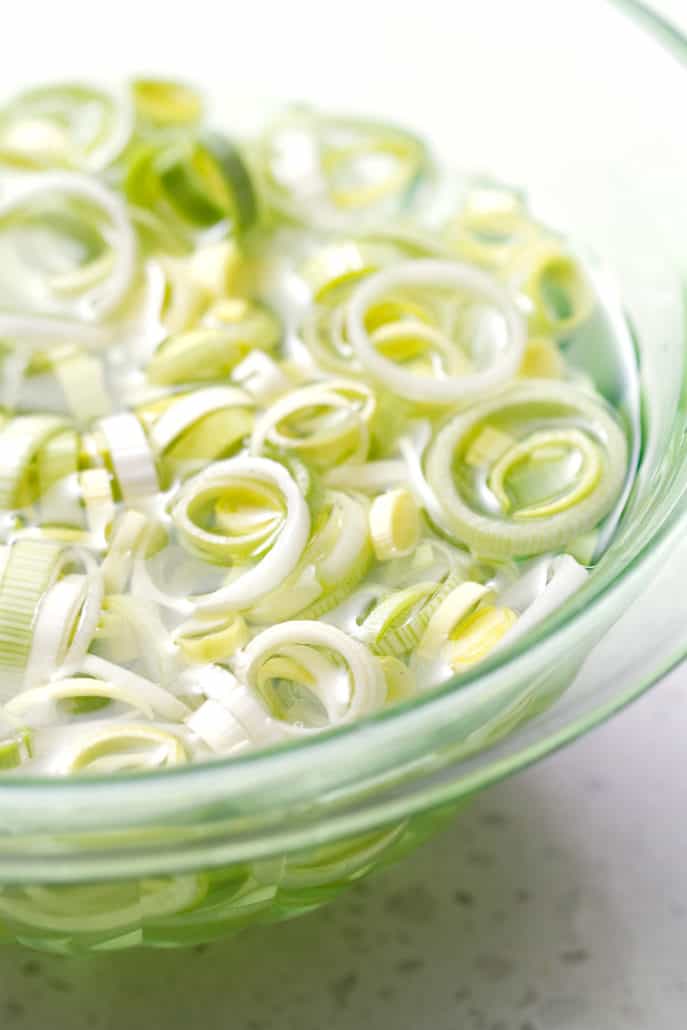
{"x":550,"y":96}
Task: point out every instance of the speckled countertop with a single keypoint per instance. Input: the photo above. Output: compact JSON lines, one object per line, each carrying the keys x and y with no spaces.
{"x":557,"y":901}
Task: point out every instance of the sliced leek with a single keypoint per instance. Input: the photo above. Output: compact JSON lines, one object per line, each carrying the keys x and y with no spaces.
{"x":263,"y":515}
{"x":457,"y":279}
{"x":332,"y":172}
{"x":209,"y":353}
{"x":324,"y":423}
{"x":71,"y":125}
{"x":163,"y":103}
{"x":547,"y":487}
{"x":292,"y":429}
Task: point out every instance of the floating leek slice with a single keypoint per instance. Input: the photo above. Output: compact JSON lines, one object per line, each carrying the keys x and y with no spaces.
{"x":165,"y":104}
{"x":70,"y":125}
{"x":335,"y":560}
{"x":201,"y":182}
{"x":243,"y":508}
{"x":45,"y":220}
{"x":323,"y":423}
{"x":334,"y":172}
{"x":122,"y":747}
{"x":528,"y":470}
{"x":460,"y":284}
{"x":209,"y":353}
{"x":338,"y":672}
{"x":31,"y":568}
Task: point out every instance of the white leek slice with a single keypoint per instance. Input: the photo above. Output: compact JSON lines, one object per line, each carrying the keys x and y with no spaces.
{"x":549,"y":523}
{"x":121,"y":747}
{"x":283,"y":554}
{"x":481,"y":288}
{"x":128,"y":538}
{"x":65,"y":624}
{"x":99,"y":301}
{"x":333,"y":563}
{"x":31,"y":569}
{"x":334,"y":172}
{"x":358,"y":689}
{"x":211,"y":638}
{"x":139,"y":622}
{"x":161,"y":701}
{"x":82,"y":379}
{"x":478,"y":635}
{"x":132,"y":460}
{"x":261,"y":377}
{"x":394,"y":524}
{"x":70,"y":124}
{"x":20,"y":441}
{"x":450,"y":612}
{"x":96,"y":493}
{"x":556,"y":285}
{"x":559,"y":578}
{"x":190,"y":409}
{"x":325,"y":423}
{"x":218,"y":728}
{"x":369,"y":477}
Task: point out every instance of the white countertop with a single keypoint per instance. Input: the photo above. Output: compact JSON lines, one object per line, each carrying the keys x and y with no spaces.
{"x":556,"y":901}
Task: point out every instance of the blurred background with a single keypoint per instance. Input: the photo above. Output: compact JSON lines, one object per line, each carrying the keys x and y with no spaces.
{"x":557,"y":901}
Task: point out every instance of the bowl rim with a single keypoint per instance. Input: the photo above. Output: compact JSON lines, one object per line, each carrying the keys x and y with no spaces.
{"x":108,"y":791}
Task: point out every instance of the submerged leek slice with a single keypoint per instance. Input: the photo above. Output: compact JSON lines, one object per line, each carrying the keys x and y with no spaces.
{"x":78,"y":695}
{"x":492,"y":229}
{"x":482,"y":290}
{"x":200,"y":181}
{"x":342,"y":264}
{"x":262,"y":516}
{"x":31,"y":568}
{"x":70,"y":125}
{"x":560,"y":475}
{"x":547,"y":584}
{"x":323,"y":423}
{"x":452,"y":610}
{"x":210,"y":182}
{"x":122,"y":747}
{"x":211,"y":638}
{"x":21,"y":441}
{"x":82,"y":380}
{"x":164,"y":103}
{"x":559,"y":292}
{"x":96,"y":493}
{"x":336,"y":172}
{"x":478,"y":635}
{"x":200,"y":427}
{"x":204,"y":354}
{"x":335,"y":560}
{"x":46,"y":220}
{"x":132,"y":460}
{"x":301,"y":662}
{"x":16,"y":746}
{"x":396,"y":622}
{"x":65,"y":624}
{"x":394,"y":524}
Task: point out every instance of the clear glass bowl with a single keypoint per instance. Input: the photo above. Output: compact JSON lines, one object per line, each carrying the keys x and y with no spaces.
{"x":548,"y":95}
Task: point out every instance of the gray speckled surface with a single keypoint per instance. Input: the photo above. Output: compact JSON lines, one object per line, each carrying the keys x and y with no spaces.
{"x":557,"y":901}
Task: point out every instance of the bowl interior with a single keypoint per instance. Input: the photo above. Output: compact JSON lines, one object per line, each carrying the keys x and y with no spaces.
{"x":530,"y":94}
